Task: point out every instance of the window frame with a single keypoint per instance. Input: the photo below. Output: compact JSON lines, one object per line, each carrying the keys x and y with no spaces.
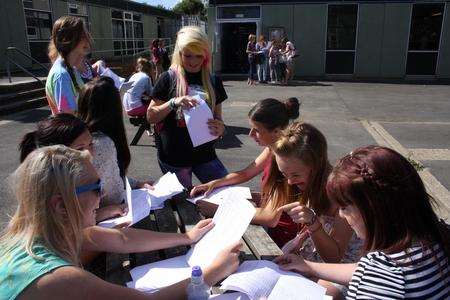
{"x":127,"y":16}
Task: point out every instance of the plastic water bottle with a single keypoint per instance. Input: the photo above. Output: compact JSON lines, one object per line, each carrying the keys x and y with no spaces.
{"x":197,"y":289}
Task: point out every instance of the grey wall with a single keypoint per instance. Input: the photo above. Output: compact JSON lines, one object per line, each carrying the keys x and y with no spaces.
{"x":309,"y":37}
{"x":443,"y":69}
{"x":101,"y":29}
{"x":12,"y":31}
{"x":395,"y":40}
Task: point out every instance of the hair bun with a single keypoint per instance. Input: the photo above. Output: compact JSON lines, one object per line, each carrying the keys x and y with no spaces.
{"x":292,"y":107}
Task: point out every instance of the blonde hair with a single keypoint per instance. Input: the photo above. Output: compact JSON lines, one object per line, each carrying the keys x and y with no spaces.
{"x":144,"y":65}
{"x":251,"y":38}
{"x":192,"y":38}
{"x":46,"y":172}
{"x":307,"y":144}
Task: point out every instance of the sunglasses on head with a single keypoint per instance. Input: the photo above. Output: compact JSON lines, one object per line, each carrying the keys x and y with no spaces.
{"x":96,"y":187}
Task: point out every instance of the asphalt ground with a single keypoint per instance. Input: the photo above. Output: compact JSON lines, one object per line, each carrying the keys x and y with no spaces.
{"x":414,"y":119}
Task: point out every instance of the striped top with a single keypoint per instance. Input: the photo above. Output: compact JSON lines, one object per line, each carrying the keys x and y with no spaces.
{"x":412,"y":274}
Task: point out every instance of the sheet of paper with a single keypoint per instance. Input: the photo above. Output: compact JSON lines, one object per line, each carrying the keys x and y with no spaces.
{"x":197,"y":122}
{"x":118,"y":81}
{"x":218,"y":195}
{"x":305,"y":289}
{"x":230,"y":296}
{"x":125,"y":219}
{"x":165,"y":188}
{"x":231,"y":220}
{"x":256,"y":278}
{"x":160,"y":274}
{"x":262,"y":278}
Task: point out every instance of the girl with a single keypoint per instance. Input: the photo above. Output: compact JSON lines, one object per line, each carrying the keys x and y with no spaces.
{"x":100,"y":107}
{"x":156,"y":57}
{"x":69,"y":45}
{"x":188,"y":76}
{"x":384,"y":200}
{"x":68,"y":130}
{"x":289,"y":54}
{"x":251,"y":53}
{"x":136,"y":99}
{"x":262,"y":50}
{"x":58,"y":193}
{"x":274,"y":59}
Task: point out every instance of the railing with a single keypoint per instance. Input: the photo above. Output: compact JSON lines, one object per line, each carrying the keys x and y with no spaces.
{"x":9,"y":60}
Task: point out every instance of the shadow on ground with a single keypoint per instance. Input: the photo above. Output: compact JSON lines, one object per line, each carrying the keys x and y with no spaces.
{"x":230,"y":140}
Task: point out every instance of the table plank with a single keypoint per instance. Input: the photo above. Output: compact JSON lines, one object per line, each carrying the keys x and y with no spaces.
{"x":261,"y":244}
{"x":166,"y":222}
{"x":138,"y":259}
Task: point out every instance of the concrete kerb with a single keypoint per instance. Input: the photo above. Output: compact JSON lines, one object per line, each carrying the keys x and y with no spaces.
{"x":433,"y":186}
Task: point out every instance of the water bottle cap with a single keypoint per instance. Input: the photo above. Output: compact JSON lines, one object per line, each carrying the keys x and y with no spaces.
{"x":196,"y":271}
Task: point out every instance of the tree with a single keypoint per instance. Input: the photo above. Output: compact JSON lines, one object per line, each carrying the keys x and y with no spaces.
{"x":190,"y":7}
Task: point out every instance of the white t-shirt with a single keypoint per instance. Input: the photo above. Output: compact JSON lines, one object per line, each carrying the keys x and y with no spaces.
{"x":141,"y":84}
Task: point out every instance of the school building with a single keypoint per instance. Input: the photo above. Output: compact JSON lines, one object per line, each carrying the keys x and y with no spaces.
{"x":119,"y":28}
{"x":371,"y":39}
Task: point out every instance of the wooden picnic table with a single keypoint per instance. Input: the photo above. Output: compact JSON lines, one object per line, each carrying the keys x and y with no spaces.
{"x":179,"y":215}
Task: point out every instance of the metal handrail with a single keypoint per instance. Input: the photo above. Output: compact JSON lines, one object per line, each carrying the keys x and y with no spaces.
{"x":10,"y":60}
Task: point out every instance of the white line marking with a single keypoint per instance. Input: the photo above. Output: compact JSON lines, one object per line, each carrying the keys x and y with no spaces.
{"x":431,"y":154}
{"x":4,"y":122}
{"x":433,"y":186}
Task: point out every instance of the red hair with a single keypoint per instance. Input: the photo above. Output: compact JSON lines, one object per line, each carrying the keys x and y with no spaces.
{"x":391,"y":198}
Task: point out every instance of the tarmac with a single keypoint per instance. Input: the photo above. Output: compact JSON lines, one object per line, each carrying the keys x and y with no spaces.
{"x":414,"y":119}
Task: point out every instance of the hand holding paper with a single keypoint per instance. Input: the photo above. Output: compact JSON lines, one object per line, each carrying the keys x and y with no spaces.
{"x":197,"y":122}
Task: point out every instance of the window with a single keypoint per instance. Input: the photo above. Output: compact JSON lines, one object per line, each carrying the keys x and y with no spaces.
{"x":39,"y":27}
{"x":128,"y":32}
{"x":424,"y":39}
{"x":79,"y":10}
{"x":238,"y":12}
{"x":341,"y":39}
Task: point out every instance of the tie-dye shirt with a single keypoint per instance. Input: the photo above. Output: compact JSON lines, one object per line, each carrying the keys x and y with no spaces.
{"x":60,"y":91}
{"x":18,"y":269}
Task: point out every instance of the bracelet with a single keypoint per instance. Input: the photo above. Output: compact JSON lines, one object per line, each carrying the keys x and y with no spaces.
{"x":313,"y":219}
{"x":172,"y":104}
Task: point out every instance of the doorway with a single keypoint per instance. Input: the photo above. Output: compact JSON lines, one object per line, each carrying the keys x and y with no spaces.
{"x":234,"y":39}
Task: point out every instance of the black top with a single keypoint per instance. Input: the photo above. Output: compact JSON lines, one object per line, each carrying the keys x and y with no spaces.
{"x":172,"y":139}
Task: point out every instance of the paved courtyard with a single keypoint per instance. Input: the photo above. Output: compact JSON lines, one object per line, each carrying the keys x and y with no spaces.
{"x":413,"y":119}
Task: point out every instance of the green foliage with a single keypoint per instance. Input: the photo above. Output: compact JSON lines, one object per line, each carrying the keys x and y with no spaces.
{"x":190,"y":7}
{"x":417,"y":165}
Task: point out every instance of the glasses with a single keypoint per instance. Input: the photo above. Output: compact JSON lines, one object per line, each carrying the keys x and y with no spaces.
{"x":96,"y":187}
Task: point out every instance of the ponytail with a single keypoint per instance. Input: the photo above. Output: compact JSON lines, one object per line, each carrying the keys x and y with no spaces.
{"x":27,"y":145}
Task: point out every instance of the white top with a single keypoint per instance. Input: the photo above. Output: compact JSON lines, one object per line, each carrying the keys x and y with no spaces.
{"x":141,"y":83}
{"x":290,"y":49}
{"x":106,"y":164}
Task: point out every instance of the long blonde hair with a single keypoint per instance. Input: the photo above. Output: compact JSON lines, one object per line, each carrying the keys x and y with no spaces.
{"x":192,"y":38}
{"x":47,"y":171}
{"x":306,"y":143}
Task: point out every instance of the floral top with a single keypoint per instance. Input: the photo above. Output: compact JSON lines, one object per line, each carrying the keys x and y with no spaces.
{"x":352,"y":254}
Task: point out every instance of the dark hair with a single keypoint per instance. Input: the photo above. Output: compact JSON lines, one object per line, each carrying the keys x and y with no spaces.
{"x":61,"y":129}
{"x":99,"y":105}
{"x":306,"y":143}
{"x":272,"y":113}
{"x":67,"y":33}
{"x":391,"y":198}
{"x":155,"y":43}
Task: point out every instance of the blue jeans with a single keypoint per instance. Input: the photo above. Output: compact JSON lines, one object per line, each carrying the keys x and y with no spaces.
{"x":262,"y":70}
{"x":204,"y":172}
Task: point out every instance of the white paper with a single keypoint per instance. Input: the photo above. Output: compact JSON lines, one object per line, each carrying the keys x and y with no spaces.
{"x":230,"y":296}
{"x":260,"y":278}
{"x":305,"y":289}
{"x":118,"y":81}
{"x":154,"y":276}
{"x":197,"y":122}
{"x":166,"y":187}
{"x":231,"y":220}
{"x":218,"y":195}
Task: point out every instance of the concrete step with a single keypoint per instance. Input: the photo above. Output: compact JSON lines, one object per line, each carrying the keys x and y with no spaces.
{"x":22,"y":105}
{"x":19,"y":85}
{"x":21,"y":96}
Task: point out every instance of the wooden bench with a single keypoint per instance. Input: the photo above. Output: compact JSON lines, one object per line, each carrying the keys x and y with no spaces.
{"x":179,"y":215}
{"x":143,"y":126}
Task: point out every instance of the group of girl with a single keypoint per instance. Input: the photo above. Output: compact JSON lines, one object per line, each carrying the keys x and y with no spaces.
{"x":270,"y":60}
{"x":370,"y":211}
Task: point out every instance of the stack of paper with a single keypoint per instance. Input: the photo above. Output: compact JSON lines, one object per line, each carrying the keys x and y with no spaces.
{"x":231,"y":221}
{"x":264,"y":279}
{"x":141,"y":201}
{"x":197,"y":122}
{"x":218,"y":195}
{"x":154,"y":276}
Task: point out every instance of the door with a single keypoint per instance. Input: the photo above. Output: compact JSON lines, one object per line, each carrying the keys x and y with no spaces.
{"x":234,"y":39}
